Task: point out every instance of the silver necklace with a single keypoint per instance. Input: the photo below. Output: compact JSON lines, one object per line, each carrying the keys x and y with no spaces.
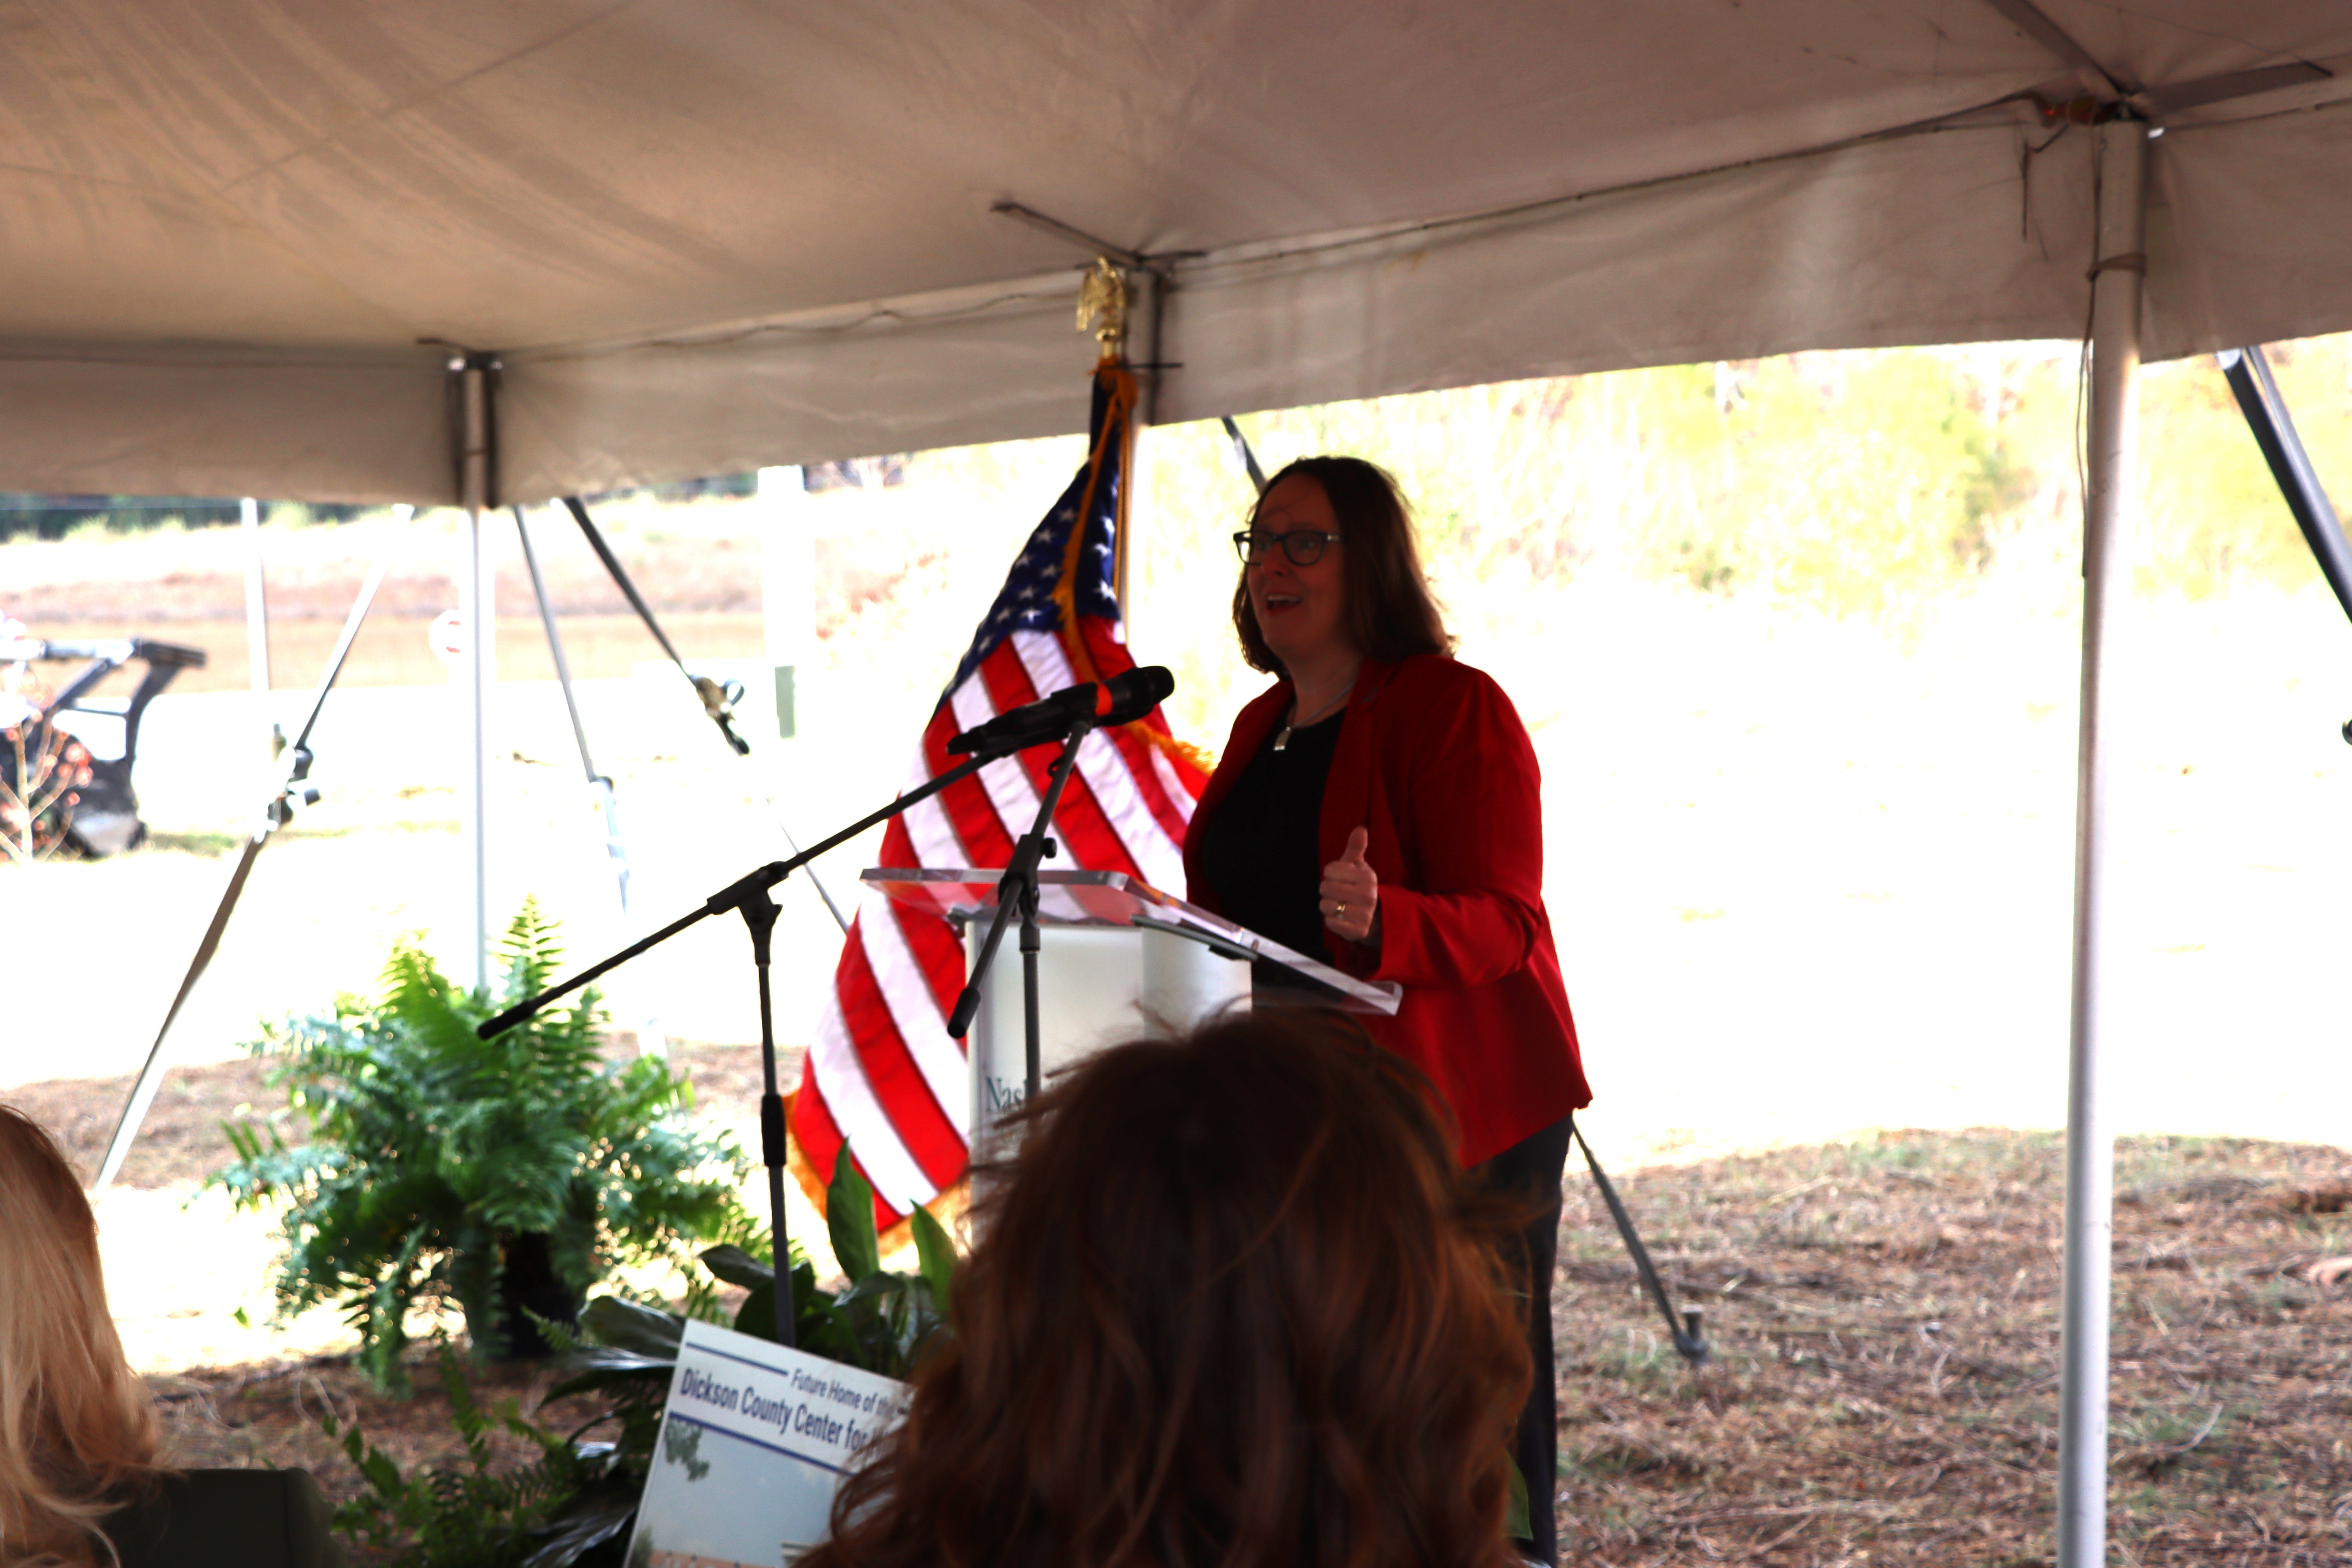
{"x":1282,"y":741}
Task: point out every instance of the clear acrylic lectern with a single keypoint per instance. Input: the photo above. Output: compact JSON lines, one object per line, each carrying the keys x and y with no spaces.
{"x":1118,"y":957}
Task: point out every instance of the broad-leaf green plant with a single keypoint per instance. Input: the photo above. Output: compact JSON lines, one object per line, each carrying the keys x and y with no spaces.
{"x":881,"y":1320}
{"x":497,"y":1176}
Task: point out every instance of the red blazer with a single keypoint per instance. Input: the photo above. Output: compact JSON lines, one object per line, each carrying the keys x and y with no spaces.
{"x":1433,"y":762}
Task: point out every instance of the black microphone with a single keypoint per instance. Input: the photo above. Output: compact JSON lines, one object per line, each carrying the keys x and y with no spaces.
{"x":1121,"y":699}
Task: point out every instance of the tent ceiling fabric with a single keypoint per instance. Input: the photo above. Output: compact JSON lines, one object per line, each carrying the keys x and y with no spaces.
{"x":707,"y":236}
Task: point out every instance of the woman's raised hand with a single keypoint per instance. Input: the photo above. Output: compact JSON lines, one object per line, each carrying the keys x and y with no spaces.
{"x":1351,"y":893}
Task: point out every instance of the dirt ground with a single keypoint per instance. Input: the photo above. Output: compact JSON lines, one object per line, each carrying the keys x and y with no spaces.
{"x":180,"y":1143}
{"x":1884,"y":1317}
{"x":261,"y":1414}
{"x":1880,"y":1315}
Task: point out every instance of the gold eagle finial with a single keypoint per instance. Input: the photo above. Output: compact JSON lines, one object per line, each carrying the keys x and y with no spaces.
{"x":1103,"y":300}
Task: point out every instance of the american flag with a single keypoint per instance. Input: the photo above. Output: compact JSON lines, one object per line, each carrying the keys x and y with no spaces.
{"x":883,"y":1072}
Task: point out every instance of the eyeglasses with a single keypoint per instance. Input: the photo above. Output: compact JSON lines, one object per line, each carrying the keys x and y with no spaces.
{"x":1305,"y":546}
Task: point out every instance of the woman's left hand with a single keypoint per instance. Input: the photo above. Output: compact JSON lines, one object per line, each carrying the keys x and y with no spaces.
{"x":1351,"y":893}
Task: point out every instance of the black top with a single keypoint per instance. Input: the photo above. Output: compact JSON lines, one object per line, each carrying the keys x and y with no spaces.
{"x":1258,"y":853}
{"x":236,"y":1519}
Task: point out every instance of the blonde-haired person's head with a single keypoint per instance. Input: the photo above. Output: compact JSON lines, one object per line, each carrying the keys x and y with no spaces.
{"x":78,"y":1430}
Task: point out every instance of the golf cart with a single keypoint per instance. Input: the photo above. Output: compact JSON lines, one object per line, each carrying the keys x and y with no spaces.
{"x":66,"y":759}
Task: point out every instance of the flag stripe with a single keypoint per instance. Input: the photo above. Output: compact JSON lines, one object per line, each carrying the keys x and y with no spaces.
{"x":833,"y":1065}
{"x":1182,"y":792}
{"x":1143,"y":760}
{"x":980,"y":837}
{"x":940,"y":952}
{"x":1001,"y":686}
{"x":1155,"y":777}
{"x":813,"y":1126}
{"x":915,"y":1011}
{"x":931,"y":833}
{"x":1080,"y":817}
{"x":1109,"y":775}
{"x":889,"y":1069}
{"x":1110,"y":785}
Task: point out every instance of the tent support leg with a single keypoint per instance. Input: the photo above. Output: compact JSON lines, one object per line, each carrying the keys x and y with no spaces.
{"x":256,"y":621}
{"x":2109,"y":508}
{"x":2249,"y":373}
{"x":475,"y":608}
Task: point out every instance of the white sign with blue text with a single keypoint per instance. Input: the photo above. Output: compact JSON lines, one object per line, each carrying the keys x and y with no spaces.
{"x":754,"y":1443}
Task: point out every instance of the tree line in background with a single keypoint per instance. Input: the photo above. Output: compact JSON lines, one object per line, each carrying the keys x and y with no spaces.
{"x":1849,"y":482}
{"x":25,"y":515}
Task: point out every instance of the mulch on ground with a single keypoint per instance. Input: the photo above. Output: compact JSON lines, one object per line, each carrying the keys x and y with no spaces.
{"x":1881,"y":1313}
{"x":271,"y":1414}
{"x":1884,"y":1317}
{"x":181,"y":1143}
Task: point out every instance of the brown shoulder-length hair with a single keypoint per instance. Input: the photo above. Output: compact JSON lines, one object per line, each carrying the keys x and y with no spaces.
{"x":1391,"y":614}
{"x":78,"y":1430}
{"x":1232,"y":1304}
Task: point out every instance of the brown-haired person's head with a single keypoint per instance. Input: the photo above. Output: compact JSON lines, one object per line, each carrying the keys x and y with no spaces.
{"x":77,"y":1427}
{"x":1365,"y":588}
{"x":1231,"y":1305}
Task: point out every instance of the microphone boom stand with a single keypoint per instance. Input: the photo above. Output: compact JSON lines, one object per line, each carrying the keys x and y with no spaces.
{"x":748,"y":897}
{"x":1018,"y":886}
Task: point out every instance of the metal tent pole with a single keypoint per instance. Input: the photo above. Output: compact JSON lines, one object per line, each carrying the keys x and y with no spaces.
{"x":617,"y":848}
{"x":257,"y":620}
{"x":2109,"y":519}
{"x":475,"y":608}
{"x":787,"y":586}
{"x":2249,"y":373}
{"x":1141,"y":449}
{"x":295,"y":788}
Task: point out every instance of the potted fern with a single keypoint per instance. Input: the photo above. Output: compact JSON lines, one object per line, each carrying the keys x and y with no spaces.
{"x":504,"y":1176}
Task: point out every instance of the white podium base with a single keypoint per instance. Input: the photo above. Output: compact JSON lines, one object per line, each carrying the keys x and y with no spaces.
{"x":1095,"y":985}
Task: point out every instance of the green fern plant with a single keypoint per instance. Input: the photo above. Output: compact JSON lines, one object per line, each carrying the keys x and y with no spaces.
{"x":575,"y":1502}
{"x":504,"y":1176}
{"x":484,"y":1514}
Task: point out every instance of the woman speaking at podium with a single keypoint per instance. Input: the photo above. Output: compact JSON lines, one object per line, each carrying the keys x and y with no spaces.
{"x":1380,"y":807}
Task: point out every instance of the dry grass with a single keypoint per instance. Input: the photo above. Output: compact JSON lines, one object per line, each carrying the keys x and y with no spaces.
{"x":1884,"y":1318}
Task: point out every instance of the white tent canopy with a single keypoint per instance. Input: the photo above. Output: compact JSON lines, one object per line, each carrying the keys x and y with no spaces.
{"x":702,"y":236}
